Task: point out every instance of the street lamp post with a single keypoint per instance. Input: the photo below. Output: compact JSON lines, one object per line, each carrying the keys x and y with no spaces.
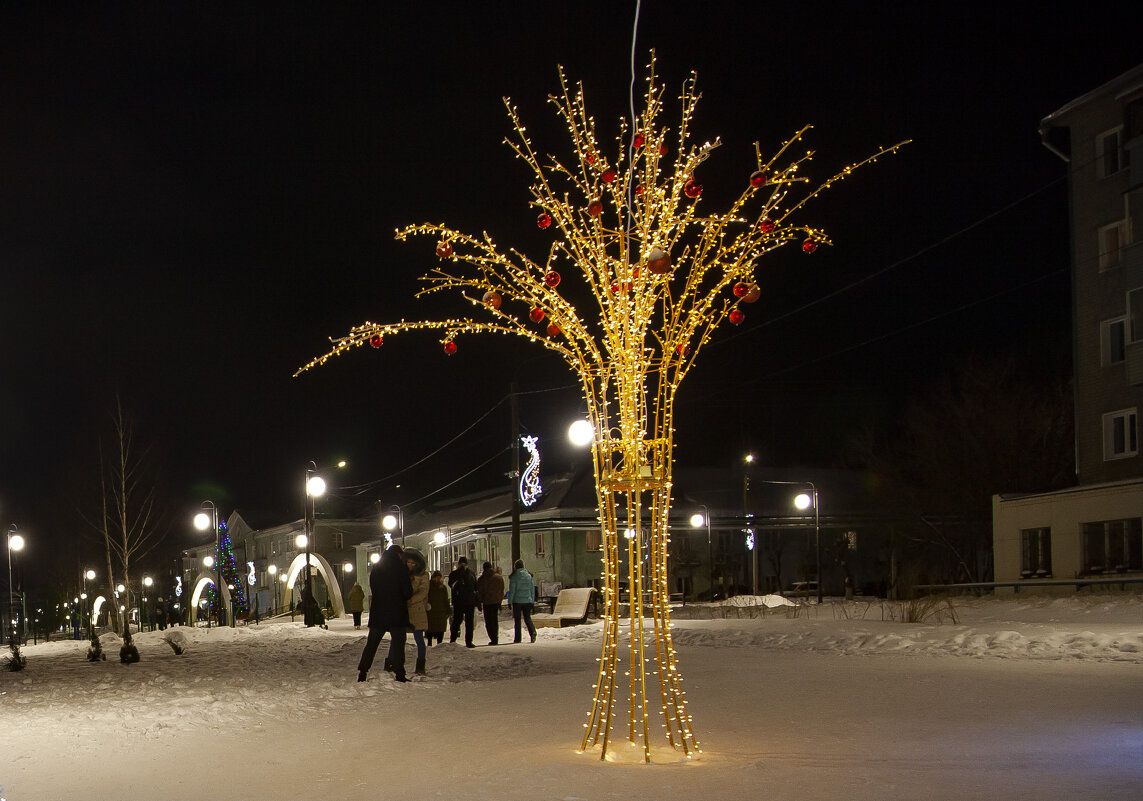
{"x":15,"y":543}
{"x":803,"y":502}
{"x":201,"y":521}
{"x":273,"y":571}
{"x":314,"y":487}
{"x":394,"y":520}
{"x":88,"y":575}
{"x":145,"y":612}
{"x":697,"y":521}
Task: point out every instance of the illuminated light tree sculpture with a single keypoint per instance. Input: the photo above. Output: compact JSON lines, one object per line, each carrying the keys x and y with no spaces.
{"x":656,"y":278}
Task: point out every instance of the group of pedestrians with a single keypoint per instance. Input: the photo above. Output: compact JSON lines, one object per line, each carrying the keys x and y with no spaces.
{"x":405,"y":599}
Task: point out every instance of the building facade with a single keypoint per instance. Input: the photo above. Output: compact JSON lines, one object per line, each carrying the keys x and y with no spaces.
{"x":1094,"y":529}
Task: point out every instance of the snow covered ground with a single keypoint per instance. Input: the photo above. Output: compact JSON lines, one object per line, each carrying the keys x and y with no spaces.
{"x":1030,"y":698}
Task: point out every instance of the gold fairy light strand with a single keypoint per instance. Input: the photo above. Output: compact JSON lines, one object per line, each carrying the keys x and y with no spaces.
{"x":659,"y":274}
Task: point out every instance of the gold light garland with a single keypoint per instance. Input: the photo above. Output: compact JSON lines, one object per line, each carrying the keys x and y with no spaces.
{"x":660,"y":278}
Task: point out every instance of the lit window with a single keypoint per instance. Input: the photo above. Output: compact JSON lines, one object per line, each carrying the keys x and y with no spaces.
{"x":1036,"y":553}
{"x":1120,"y":435}
{"x":1113,"y":340}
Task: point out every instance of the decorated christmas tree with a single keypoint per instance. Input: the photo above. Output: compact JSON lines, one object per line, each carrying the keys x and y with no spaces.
{"x":230,"y":572}
{"x":637,"y":279}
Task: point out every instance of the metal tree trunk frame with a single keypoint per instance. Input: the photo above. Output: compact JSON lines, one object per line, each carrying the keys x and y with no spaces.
{"x":656,"y":279}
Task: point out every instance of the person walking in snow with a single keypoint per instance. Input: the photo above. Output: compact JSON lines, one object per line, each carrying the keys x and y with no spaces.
{"x":463,"y":585}
{"x":438,"y":607}
{"x":418,"y":615}
{"x":521,"y":597}
{"x":356,"y":603}
{"x":490,"y":590}
{"x":388,"y":613}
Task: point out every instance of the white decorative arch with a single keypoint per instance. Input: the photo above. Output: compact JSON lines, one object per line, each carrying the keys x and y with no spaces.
{"x":318,"y":562}
{"x":96,"y":606}
{"x":200,"y":583}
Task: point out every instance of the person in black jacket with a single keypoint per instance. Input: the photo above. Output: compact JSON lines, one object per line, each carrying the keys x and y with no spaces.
{"x":388,"y":613}
{"x":463,"y":585}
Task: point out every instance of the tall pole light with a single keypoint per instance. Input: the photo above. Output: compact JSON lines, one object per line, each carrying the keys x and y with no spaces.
{"x":315,"y":487}
{"x":15,"y":543}
{"x":273,"y":571}
{"x":202,"y":521}
{"x":394,"y":520}
{"x":753,"y":543}
{"x":697,"y":521}
{"x":88,"y":575}
{"x":803,"y":502}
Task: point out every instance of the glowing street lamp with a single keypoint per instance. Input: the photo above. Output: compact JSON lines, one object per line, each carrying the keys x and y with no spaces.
{"x":394,"y":520}
{"x":581,"y":433}
{"x":273,"y":571}
{"x":802,"y":502}
{"x":15,"y":543}
{"x":203,"y":521}
{"x":698,"y":520}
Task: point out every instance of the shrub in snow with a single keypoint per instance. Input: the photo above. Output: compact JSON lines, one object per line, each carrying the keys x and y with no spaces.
{"x":16,"y":661}
{"x":128,"y":653}
{"x":95,"y":652}
{"x":177,"y":640}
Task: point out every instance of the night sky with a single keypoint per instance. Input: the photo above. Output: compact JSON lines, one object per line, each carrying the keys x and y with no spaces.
{"x":194,"y":196}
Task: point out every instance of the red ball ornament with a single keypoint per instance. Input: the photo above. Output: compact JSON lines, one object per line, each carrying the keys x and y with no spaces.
{"x":765,"y":225}
{"x":663,"y":149}
{"x":659,"y":263}
{"x":637,"y":141}
{"x":737,"y":316}
{"x":591,"y":158}
{"x":809,"y":246}
{"x":692,"y":188}
{"x":757,"y":179}
{"x":492,"y":299}
{"x":740,"y":289}
{"x":608,"y":175}
{"x":536,"y":315}
{"x":753,"y":294}
{"x":444,"y":249}
{"x":595,"y":208}
{"x":615,"y":289}
{"x":553,"y":330}
{"x":683,"y":350}
{"x":450,"y":348}
{"x":552,"y":279}
{"x":376,"y":340}
{"x":639,"y":189}
{"x":544,"y":220}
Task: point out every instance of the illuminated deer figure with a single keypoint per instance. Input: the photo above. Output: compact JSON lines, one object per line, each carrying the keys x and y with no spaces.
{"x":649,"y":277}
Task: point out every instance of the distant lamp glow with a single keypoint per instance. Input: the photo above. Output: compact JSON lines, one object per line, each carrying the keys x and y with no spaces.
{"x":347,"y":567}
{"x":581,"y":433}
{"x":208,"y":561}
{"x":389,"y":522}
{"x":698,"y":520}
{"x":16,"y":543}
{"x":301,"y":540}
{"x":374,"y":558}
{"x":749,"y":458}
{"x":803,"y":501}
{"x":272,"y":570}
{"x":90,"y":575}
{"x":147,"y":581}
{"x":439,"y":538}
{"x":315,"y":486}
{"x":202,"y":521}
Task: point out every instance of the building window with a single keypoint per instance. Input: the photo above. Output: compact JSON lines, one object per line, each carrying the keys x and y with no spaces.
{"x":594,"y":541}
{"x":1113,"y":340}
{"x":1113,"y":546}
{"x":1111,"y":242}
{"x":850,"y":539}
{"x":541,"y":549}
{"x":1109,"y":152}
{"x":338,"y":538}
{"x":1135,"y":315}
{"x":1035,"y":553}
{"x":275,"y":547}
{"x":1120,"y":435}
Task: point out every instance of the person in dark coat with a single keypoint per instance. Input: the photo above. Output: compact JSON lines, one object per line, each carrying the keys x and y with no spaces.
{"x":490,"y":591}
{"x":463,"y":585}
{"x":438,"y":607}
{"x":356,"y":603}
{"x":388,"y":613}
